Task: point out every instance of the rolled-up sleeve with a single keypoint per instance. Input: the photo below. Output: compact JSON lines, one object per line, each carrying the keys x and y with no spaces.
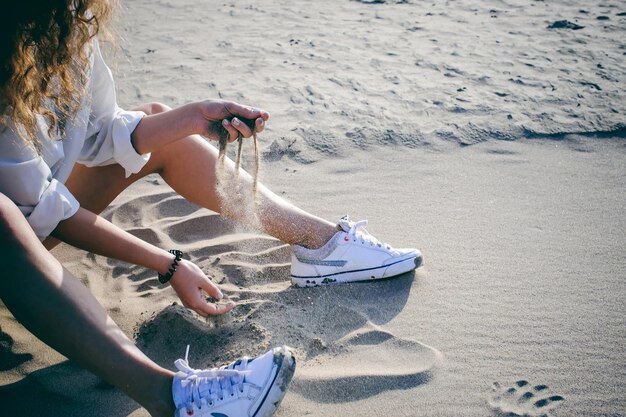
{"x":43,"y":200}
{"x":109,"y":130}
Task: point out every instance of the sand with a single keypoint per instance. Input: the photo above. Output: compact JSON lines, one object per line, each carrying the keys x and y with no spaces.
{"x":488,"y":134}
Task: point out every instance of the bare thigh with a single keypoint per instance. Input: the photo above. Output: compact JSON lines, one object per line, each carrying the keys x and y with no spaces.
{"x":96,"y":187}
{"x":188,"y":165}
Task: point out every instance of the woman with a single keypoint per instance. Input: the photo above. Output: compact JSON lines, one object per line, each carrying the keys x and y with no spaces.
{"x":67,"y":150}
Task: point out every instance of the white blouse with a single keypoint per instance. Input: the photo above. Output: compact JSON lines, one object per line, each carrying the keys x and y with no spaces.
{"x":98,"y":135}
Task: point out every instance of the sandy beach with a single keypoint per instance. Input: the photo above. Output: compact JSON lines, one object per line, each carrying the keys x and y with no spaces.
{"x":488,"y":134}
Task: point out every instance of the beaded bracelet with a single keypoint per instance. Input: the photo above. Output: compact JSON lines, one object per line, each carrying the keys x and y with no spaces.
{"x":164,"y":278}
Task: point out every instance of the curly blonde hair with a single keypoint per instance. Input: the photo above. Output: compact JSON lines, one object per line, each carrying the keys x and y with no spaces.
{"x":44,"y":58}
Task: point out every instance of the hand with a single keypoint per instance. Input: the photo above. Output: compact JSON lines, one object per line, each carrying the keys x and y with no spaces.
{"x":190,"y":284}
{"x":216,"y":117}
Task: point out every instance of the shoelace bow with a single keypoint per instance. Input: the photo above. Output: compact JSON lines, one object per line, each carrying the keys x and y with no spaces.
{"x":357,"y":231}
{"x":215,"y":381}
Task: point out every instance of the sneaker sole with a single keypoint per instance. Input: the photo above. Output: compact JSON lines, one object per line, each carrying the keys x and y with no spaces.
{"x":370,"y":274}
{"x":286,"y":366}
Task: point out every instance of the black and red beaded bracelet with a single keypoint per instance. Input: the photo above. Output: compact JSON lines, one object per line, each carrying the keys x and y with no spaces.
{"x":164,"y":278}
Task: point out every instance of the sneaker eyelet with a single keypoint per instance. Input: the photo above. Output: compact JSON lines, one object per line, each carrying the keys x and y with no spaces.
{"x":190,"y":412}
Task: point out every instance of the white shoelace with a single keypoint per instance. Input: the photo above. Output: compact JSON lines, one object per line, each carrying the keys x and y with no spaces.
{"x":216,"y":382}
{"x":357,"y":232}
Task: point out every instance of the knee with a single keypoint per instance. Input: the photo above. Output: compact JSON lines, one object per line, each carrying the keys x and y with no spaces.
{"x":154,"y":108}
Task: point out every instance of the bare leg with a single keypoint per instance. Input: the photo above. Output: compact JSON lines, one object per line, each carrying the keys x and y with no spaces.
{"x":88,"y":335}
{"x":189,"y":167}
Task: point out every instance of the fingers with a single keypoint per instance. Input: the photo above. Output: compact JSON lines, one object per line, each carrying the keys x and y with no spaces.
{"x":213,"y":309}
{"x":210,"y":288}
{"x":233,"y":133}
{"x":238,"y":127}
{"x":191,"y":284}
{"x":245,"y":119}
{"x":241,"y":127}
{"x":205,"y":308}
{"x":260,"y":124}
{"x":246,"y":112}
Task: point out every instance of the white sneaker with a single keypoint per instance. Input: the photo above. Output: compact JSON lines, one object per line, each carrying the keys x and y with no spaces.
{"x":245,"y":388}
{"x":351,"y":255}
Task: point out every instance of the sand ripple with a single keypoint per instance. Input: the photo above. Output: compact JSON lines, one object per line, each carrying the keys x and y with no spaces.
{"x":338,"y":332}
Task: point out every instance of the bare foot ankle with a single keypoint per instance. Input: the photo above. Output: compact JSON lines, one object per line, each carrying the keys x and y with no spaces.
{"x":321,"y":237}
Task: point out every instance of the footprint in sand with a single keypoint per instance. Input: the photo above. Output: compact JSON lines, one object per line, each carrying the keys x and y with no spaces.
{"x":364,"y":363}
{"x":523,"y":400}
